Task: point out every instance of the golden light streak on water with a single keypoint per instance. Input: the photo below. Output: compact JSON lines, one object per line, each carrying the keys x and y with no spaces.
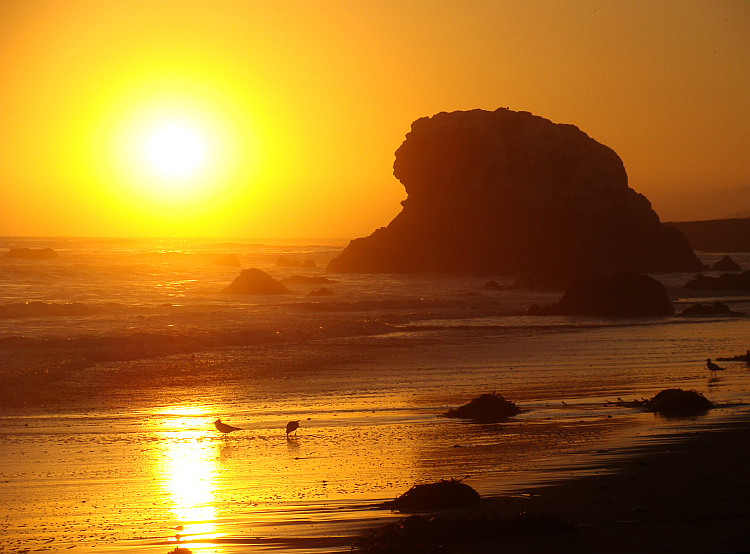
{"x":187,"y":470}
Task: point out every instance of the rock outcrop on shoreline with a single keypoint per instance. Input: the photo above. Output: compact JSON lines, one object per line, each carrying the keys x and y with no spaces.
{"x":509,"y":192}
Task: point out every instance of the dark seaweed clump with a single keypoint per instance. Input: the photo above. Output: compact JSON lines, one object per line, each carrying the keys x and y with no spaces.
{"x":672,"y":402}
{"x":488,"y":408}
{"x":678,"y":401}
{"x":435,"y":496}
{"x":420,"y":535}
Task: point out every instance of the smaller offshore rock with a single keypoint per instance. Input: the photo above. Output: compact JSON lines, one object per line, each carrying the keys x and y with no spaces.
{"x":255,"y":281}
{"x":619,"y":295}
{"x":726,"y":264}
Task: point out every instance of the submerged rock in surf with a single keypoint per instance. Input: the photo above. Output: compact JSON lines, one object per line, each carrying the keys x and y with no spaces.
{"x":322,"y":291}
{"x":618,"y":295}
{"x":255,"y":281}
{"x":307,"y":280}
{"x":32,"y":254}
{"x":285,"y":261}
{"x":488,"y":408}
{"x":230,"y":260}
{"x":435,"y":496}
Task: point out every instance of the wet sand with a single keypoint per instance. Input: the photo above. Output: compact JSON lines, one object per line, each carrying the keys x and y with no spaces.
{"x":687,"y":493}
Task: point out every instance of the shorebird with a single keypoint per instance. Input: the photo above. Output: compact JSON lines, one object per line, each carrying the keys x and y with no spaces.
{"x":291,"y":426}
{"x":224,"y":428}
{"x":713,"y":367}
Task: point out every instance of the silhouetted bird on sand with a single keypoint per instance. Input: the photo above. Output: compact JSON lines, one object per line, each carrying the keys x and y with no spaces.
{"x":713,"y":367}
{"x":291,"y":426}
{"x":224,"y":428}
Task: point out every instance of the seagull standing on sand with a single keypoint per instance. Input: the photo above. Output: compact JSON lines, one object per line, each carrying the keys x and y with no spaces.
{"x":291,"y":426}
{"x":224,"y":428}
{"x":713,"y":367}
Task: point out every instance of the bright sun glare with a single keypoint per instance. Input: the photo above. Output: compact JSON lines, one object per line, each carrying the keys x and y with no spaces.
{"x":175,"y":150}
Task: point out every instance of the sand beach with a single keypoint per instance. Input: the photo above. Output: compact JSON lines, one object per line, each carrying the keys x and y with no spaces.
{"x":107,"y":441}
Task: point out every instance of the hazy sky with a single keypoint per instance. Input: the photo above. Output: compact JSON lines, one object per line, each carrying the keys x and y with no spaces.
{"x":280,"y":118}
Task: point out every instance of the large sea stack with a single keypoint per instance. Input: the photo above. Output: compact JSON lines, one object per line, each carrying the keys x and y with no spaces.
{"x":511,"y":193}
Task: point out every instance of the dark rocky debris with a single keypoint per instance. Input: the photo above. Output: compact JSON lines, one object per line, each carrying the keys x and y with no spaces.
{"x":717,"y":308}
{"x":725,"y":281}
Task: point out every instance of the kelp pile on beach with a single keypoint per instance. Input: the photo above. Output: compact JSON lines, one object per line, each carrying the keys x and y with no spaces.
{"x":487,"y":408}
{"x":419,"y":534}
{"x":738,"y":358}
{"x":444,"y":494}
{"x":427,"y":535}
{"x":671,"y":402}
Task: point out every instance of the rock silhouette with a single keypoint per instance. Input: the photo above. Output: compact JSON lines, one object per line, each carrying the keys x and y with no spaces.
{"x":726,"y":264}
{"x":255,"y":281}
{"x":506,"y":192}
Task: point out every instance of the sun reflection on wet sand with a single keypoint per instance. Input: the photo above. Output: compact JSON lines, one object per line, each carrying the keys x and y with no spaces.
{"x":187,"y":471}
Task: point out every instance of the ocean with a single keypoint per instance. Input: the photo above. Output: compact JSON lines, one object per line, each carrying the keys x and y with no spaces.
{"x":117,"y":356}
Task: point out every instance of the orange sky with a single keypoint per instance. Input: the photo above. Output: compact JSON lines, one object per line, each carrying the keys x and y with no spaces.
{"x":301,"y":105}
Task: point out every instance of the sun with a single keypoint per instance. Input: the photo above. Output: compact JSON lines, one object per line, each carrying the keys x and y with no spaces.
{"x":175,"y":149}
